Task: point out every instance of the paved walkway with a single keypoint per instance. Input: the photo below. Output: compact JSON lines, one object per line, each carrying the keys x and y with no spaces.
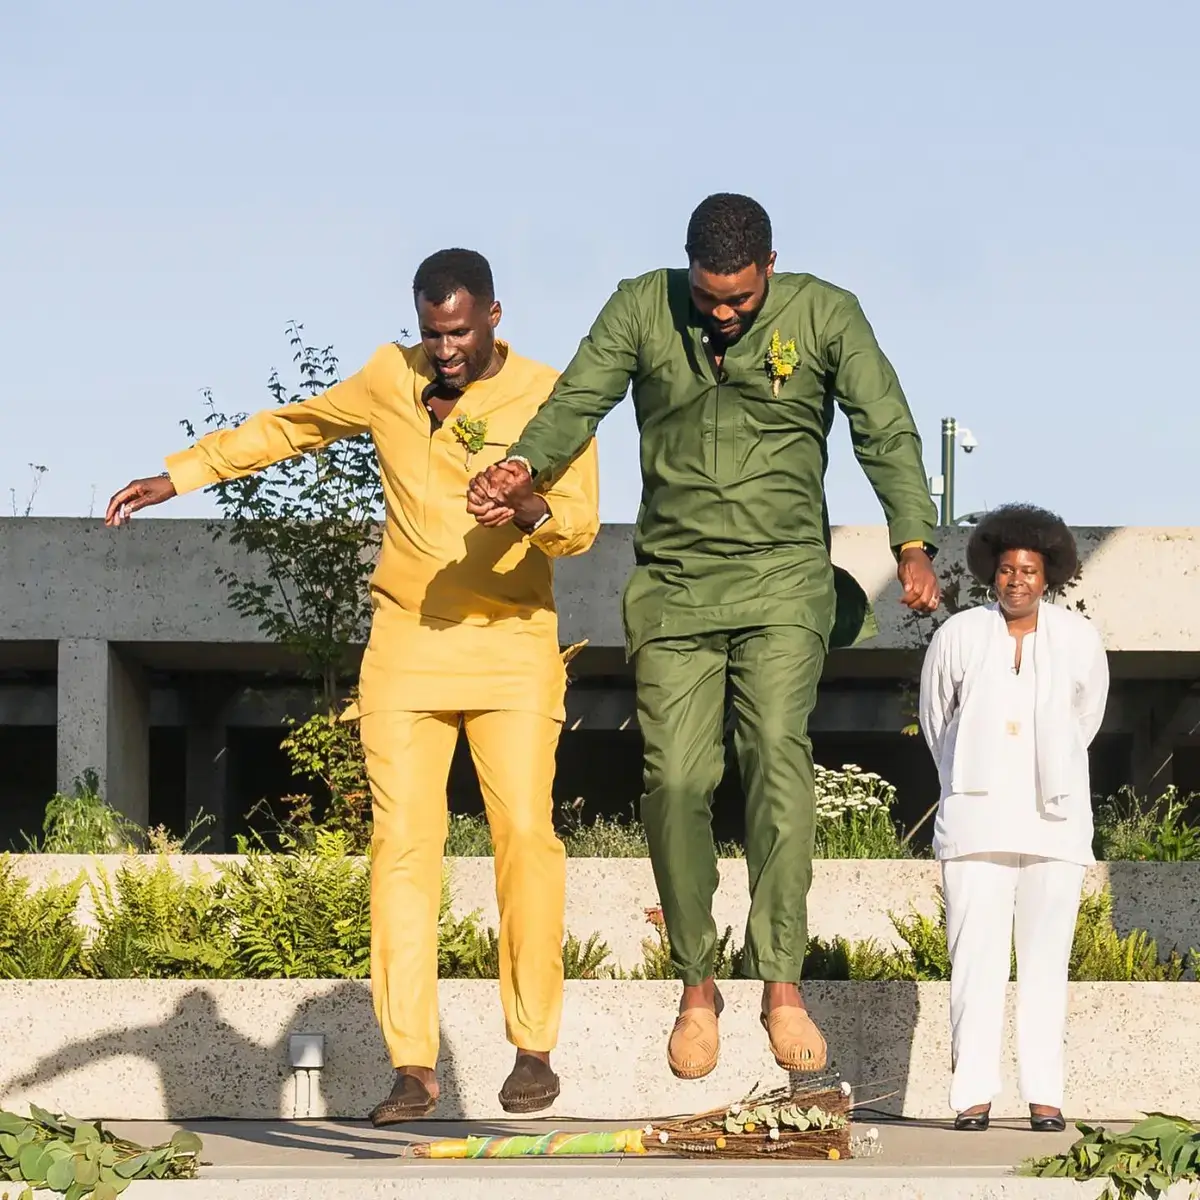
{"x":343,"y":1160}
{"x":355,"y":1146}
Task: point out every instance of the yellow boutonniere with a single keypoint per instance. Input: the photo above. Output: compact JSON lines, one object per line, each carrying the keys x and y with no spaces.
{"x":782,"y":359}
{"x":470,"y":433}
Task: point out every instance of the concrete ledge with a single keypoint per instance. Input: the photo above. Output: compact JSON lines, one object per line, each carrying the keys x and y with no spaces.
{"x":186,"y":1050}
{"x":849,"y":898}
{"x":634,"y":1180}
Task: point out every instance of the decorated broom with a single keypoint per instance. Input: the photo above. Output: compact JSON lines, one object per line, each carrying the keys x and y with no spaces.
{"x":811,"y":1122}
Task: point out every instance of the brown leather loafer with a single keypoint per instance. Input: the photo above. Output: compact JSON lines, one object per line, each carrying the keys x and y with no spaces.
{"x":409,"y":1100}
{"x":531,"y":1087}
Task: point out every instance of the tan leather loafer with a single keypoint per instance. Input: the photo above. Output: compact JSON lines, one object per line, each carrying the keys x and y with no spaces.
{"x":695,"y":1043}
{"x":795,"y":1039}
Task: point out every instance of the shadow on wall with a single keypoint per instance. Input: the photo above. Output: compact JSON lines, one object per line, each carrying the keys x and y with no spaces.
{"x":208,"y":1068}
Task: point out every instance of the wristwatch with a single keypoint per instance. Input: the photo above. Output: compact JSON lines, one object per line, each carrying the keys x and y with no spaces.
{"x":929,"y":550}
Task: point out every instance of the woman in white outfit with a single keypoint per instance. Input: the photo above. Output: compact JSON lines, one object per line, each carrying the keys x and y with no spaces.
{"x":1012,"y":694}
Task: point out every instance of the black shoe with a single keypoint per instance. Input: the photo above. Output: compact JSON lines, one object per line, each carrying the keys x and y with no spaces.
{"x":973,"y":1122}
{"x":1055,"y":1123}
{"x":530,"y":1088}
{"x":409,"y":1101}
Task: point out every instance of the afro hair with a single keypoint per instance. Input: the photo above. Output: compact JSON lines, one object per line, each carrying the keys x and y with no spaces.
{"x":1023,"y":527}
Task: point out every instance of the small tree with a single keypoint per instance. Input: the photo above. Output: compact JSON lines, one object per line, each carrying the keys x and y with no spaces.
{"x":313,"y":523}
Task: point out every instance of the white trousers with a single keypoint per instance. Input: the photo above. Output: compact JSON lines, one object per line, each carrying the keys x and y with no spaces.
{"x":988,"y":898}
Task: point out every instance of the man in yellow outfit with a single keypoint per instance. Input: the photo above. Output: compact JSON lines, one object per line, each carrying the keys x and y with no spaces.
{"x":464,"y":633}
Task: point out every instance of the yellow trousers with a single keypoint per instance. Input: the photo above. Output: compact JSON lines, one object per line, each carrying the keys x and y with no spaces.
{"x":408,"y":757}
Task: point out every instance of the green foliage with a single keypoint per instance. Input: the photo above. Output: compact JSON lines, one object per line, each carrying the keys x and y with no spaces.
{"x":600,"y":837}
{"x":465,"y":951}
{"x":854,"y":814}
{"x":300,"y":916}
{"x":1100,"y":954}
{"x":1145,"y":1161}
{"x":587,"y":960}
{"x":1135,"y":829}
{"x":153,"y":923}
{"x":328,"y":749}
{"x":313,"y":523}
{"x":83,"y":823}
{"x":476,"y":955}
{"x":82,"y":1160}
{"x":306,"y":915}
{"x":927,"y":953}
{"x":39,"y":935}
{"x":656,"y":953}
{"x":468,"y":836}
{"x":843,"y":960}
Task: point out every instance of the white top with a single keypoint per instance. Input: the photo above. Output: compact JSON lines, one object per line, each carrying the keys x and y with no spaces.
{"x":1011,"y":747}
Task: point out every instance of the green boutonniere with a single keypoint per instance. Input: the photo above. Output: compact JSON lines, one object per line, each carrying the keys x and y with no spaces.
{"x":470,"y":434}
{"x":782,"y":359}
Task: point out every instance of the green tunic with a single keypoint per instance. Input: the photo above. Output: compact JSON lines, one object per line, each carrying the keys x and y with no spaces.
{"x":733,"y":531}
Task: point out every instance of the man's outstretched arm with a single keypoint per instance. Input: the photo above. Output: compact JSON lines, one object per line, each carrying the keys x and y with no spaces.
{"x":268,"y":437}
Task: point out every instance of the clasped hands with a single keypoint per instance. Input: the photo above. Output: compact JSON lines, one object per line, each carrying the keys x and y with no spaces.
{"x":504,"y":493}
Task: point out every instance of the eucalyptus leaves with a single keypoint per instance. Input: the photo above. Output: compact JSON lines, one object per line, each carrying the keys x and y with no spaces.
{"x":773,"y":1117}
{"x":83,"y":1161}
{"x":1144,"y":1161}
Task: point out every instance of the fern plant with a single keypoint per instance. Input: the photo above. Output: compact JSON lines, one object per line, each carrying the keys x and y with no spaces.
{"x":656,"y":953}
{"x":152,"y":923}
{"x":1099,"y":954}
{"x":300,"y":916}
{"x":40,"y":937}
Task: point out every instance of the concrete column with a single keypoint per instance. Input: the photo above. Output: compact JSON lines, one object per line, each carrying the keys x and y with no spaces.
{"x":104,"y":724}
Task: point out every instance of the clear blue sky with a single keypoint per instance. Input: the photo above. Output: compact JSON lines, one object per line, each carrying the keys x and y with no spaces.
{"x":1012,"y":191}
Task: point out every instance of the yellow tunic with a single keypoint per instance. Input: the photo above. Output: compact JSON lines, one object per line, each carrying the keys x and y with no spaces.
{"x":464,"y":616}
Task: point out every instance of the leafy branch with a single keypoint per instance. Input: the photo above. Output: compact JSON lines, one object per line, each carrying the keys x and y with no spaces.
{"x":82,"y":1160}
{"x":313,"y":522}
{"x":1145,"y":1161}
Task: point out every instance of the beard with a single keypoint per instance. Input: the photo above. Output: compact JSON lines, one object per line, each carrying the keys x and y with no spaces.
{"x":732,"y":336}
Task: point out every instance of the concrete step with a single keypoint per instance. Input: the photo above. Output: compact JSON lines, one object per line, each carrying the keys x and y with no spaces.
{"x":849,"y":898}
{"x":336,"y":1160}
{"x":179,"y":1049}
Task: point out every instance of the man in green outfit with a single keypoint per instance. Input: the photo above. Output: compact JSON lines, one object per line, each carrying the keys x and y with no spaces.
{"x":737,"y":372}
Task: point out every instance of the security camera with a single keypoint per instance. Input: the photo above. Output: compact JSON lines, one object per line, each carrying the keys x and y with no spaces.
{"x":967,"y":440}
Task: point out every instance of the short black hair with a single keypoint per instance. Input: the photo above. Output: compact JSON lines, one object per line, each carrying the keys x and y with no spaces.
{"x":446,"y":272}
{"x":1023,"y":527}
{"x":728,"y":233}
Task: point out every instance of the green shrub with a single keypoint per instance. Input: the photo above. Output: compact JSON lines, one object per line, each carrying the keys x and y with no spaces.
{"x":1132,"y":828}
{"x":1099,"y":954}
{"x":300,"y":916}
{"x":83,"y":823}
{"x":40,"y":937}
{"x":153,"y":923}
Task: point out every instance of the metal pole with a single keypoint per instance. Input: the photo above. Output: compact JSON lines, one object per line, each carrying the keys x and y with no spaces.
{"x":949,"y":433}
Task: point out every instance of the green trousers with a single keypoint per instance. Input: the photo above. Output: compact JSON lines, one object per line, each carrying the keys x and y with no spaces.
{"x":681,"y":687}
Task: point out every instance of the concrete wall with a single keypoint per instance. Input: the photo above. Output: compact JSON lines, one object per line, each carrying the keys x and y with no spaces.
{"x":189,"y":1049}
{"x":120,"y":629}
{"x":155,"y":581}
